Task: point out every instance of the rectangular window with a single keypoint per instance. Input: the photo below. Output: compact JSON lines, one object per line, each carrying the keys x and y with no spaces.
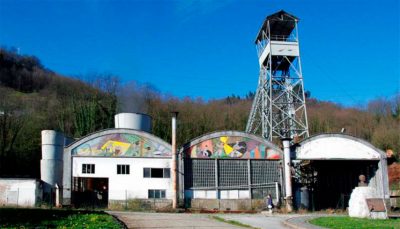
{"x":146,"y":172}
{"x":156,"y":173}
{"x":122,"y":169}
{"x":88,"y":168}
{"x":156,"y":193}
{"x":167,"y":173}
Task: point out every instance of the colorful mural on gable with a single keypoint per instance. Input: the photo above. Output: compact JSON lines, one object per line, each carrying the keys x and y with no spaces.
{"x":232,"y":147}
{"x":122,"y":145}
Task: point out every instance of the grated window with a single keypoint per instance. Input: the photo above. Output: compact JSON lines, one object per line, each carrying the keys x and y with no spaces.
{"x":232,"y":174}
{"x":200,"y":173}
{"x":264,"y":171}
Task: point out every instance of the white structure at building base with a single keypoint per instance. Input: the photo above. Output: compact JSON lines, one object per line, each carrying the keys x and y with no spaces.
{"x":358,"y":206}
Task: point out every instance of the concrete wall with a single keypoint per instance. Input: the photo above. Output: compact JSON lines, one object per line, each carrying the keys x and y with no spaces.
{"x":132,"y":186}
{"x":141,"y":204}
{"x":223,"y":194}
{"x":20,"y":192}
{"x":234,"y":205}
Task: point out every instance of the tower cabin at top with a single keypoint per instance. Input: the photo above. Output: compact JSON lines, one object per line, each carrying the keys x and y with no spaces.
{"x":278,"y":35}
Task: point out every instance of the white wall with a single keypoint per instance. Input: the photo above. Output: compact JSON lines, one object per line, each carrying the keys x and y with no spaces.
{"x":20,"y":192}
{"x":133,"y":185}
{"x":224,"y":194}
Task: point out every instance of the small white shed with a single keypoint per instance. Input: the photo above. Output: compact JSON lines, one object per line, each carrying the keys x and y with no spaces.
{"x":20,"y":192}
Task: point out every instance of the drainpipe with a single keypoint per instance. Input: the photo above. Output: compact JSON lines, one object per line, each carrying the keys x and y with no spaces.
{"x":174,"y":163}
{"x":288,"y":175}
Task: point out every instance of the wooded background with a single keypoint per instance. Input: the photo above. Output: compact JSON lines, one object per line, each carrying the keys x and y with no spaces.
{"x":33,"y":98}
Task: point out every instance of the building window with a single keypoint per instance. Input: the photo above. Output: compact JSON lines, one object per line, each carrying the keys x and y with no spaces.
{"x":156,"y":172}
{"x":123,"y":169}
{"x":156,"y":193}
{"x":88,"y":168}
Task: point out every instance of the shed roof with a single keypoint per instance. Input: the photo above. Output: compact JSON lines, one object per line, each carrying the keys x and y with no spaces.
{"x":280,"y":23}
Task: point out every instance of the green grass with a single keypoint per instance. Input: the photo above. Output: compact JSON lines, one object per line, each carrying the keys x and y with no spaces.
{"x":55,"y":218}
{"x":348,"y":222}
{"x":232,"y":222}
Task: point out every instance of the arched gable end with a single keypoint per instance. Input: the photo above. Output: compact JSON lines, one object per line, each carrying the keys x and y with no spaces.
{"x":121,"y":143}
{"x":231,"y":145}
{"x":337,"y":147}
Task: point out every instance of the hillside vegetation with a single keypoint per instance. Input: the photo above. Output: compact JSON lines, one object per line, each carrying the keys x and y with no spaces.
{"x":34,"y":98}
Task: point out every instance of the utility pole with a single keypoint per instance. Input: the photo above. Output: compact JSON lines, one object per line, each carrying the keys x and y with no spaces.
{"x":174,"y":172}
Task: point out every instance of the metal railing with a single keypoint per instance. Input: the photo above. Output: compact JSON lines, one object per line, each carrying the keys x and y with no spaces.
{"x":289,"y":38}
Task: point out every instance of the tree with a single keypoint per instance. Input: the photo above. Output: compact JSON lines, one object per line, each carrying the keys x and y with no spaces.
{"x":12,"y":120}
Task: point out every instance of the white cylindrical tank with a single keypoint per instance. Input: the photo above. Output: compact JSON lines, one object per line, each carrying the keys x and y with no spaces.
{"x":51,"y":165}
{"x":133,"y":121}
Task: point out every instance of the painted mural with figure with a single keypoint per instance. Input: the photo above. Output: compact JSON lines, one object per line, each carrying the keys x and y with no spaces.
{"x":122,"y":145}
{"x":232,"y":147}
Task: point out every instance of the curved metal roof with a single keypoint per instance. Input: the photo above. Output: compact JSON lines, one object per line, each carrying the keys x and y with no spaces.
{"x":337,"y":146}
{"x":218,"y":134}
{"x":117,"y":131}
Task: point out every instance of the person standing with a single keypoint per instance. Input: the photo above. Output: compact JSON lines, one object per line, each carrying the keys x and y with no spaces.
{"x":270,"y":204}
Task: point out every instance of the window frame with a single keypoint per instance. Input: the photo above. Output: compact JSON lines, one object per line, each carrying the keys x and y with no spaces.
{"x":88,"y":168}
{"x":156,"y":193}
{"x":148,"y":172}
{"x":123,"y":169}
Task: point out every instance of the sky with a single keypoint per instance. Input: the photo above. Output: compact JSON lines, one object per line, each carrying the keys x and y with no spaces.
{"x":350,"y":49}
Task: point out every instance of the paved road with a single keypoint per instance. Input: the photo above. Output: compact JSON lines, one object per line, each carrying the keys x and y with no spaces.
{"x":169,"y":220}
{"x":182,"y":220}
{"x":259,"y":220}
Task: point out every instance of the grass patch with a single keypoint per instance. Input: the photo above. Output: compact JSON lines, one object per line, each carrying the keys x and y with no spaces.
{"x":348,"y":222}
{"x":55,"y":218}
{"x":232,"y":222}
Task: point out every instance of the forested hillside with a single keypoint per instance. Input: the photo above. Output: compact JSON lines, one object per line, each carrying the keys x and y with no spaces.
{"x":33,"y":98}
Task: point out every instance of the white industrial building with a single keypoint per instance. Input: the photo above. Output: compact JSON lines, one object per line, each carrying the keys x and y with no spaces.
{"x":227,"y":168}
{"x":109,"y":166}
{"x":220,"y":170}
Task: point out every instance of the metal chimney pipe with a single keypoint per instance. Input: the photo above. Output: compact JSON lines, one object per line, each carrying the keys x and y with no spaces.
{"x":288,"y":175}
{"x":174,"y":163}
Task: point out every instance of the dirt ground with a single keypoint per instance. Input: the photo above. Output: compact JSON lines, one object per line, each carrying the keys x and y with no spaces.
{"x":394,"y":173}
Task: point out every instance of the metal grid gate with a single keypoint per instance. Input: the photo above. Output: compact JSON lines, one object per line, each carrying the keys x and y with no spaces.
{"x":231,"y":174}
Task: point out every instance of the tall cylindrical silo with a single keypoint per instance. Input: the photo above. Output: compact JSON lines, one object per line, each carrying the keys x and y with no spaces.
{"x":51,"y":165}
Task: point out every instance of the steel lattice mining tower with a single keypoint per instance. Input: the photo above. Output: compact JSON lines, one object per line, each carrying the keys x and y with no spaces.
{"x":279,"y":108}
